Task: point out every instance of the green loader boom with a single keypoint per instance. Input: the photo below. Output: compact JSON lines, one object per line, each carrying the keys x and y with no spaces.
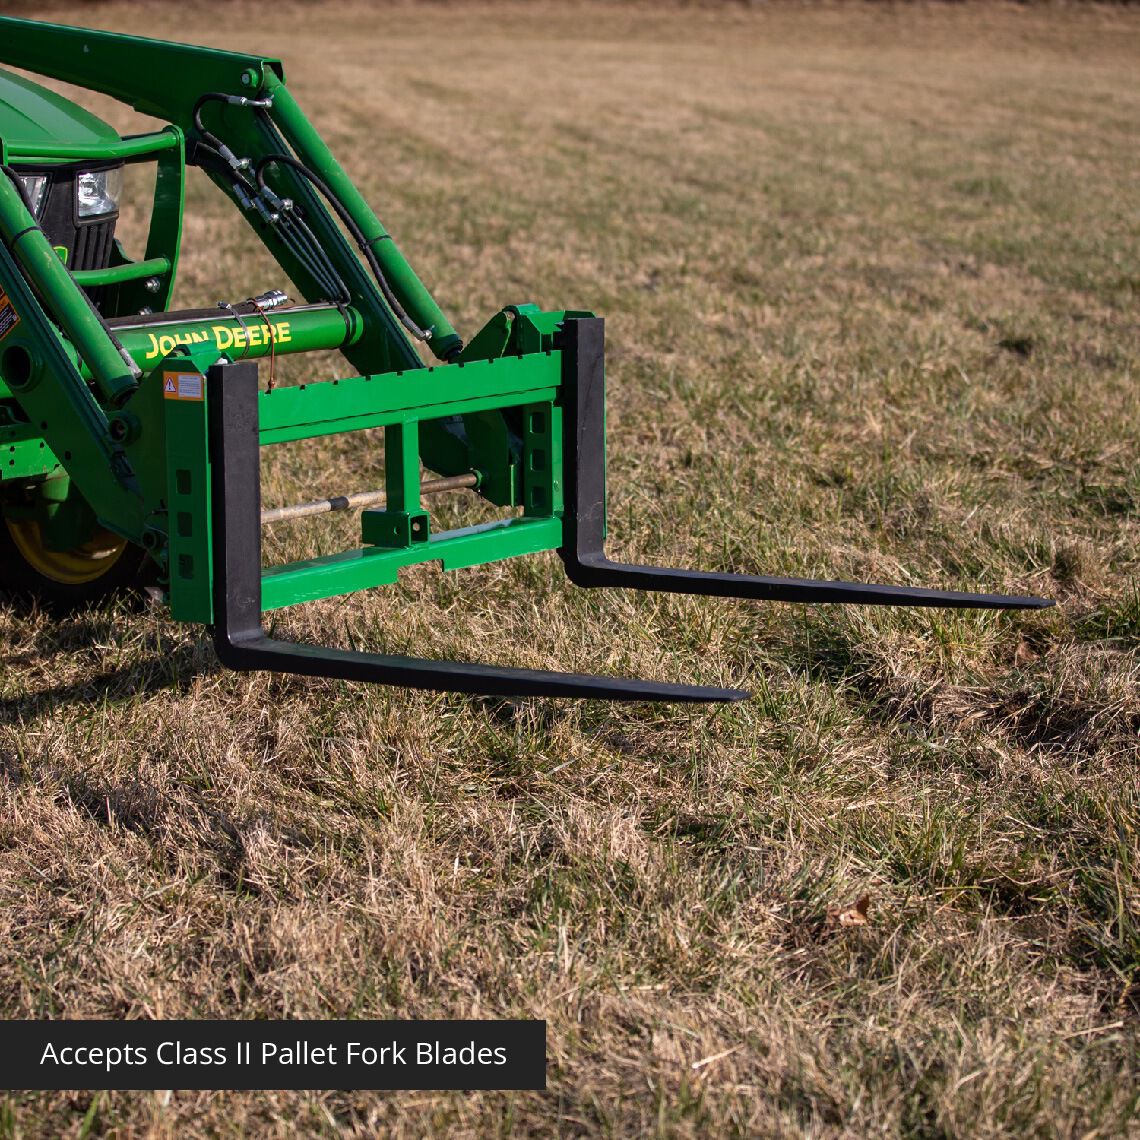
{"x":131,"y":432}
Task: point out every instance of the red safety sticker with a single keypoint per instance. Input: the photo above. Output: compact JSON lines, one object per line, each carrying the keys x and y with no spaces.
{"x":9,"y":318}
{"x":183,"y":386}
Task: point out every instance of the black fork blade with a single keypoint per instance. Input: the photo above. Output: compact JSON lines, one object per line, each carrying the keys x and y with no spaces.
{"x":258,"y":651}
{"x":597,"y":570}
{"x":583,"y":552}
{"x":242,"y":644}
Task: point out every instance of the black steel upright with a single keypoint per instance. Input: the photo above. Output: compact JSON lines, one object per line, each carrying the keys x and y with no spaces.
{"x":584,"y":469}
{"x":243,"y":644}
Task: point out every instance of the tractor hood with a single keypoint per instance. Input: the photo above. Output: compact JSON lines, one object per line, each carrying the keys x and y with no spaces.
{"x":32,"y":115}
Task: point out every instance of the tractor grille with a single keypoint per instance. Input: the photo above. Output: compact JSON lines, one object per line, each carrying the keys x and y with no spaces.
{"x":88,"y":243}
{"x":92,"y":248}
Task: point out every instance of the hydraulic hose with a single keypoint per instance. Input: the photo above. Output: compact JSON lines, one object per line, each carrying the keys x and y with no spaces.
{"x":213,"y":144}
{"x":350,"y":224}
{"x":294,"y":232}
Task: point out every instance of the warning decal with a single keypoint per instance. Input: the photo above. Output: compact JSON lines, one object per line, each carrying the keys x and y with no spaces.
{"x":9,"y":318}
{"x":182,"y":386}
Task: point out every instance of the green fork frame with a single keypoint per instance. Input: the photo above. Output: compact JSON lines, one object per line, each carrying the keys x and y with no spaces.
{"x":159,"y":426}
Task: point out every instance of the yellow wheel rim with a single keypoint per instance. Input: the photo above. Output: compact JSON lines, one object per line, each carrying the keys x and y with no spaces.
{"x":76,"y":567}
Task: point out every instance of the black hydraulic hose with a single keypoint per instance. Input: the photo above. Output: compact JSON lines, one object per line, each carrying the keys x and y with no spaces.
{"x":295,"y":234}
{"x":216,"y":148}
{"x":349,"y":224}
{"x":208,"y":97}
{"x":213,"y":142}
{"x":298,"y":238}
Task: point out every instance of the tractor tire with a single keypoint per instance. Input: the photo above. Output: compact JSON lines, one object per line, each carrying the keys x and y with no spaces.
{"x":62,"y":581}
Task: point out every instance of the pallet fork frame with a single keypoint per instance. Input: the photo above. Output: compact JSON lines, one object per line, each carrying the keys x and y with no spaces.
{"x":158,"y":421}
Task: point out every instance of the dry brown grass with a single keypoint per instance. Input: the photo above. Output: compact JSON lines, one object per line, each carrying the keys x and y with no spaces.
{"x":871,"y":278}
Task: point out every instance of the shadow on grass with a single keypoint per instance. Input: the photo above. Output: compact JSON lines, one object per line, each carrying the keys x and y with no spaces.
{"x":1027,"y":707}
{"x":158,"y":672}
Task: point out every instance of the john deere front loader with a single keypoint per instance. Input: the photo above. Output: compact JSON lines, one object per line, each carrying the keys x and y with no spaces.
{"x":131,"y":432}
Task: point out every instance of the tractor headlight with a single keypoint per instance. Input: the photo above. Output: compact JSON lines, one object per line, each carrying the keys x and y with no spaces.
{"x":35,"y":187}
{"x":97,"y":192}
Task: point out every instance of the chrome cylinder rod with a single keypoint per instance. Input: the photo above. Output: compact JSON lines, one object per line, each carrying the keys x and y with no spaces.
{"x":361,"y":499}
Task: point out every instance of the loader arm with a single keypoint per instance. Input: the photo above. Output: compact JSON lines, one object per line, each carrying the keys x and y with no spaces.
{"x":168,"y":80}
{"x":157,"y":418}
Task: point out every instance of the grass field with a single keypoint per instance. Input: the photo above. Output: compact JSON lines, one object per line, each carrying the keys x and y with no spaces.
{"x":870,"y":276}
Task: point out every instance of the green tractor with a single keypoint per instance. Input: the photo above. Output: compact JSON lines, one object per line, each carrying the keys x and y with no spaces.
{"x":131,"y":432}
{"x":52,"y":545}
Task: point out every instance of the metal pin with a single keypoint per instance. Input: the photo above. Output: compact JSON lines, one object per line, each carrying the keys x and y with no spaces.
{"x":362,"y":499}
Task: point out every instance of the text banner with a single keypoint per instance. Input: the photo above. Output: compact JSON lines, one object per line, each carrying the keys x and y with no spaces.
{"x":273,"y":1055}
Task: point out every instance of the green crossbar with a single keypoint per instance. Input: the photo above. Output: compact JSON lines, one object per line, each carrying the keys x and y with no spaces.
{"x":369,"y":566}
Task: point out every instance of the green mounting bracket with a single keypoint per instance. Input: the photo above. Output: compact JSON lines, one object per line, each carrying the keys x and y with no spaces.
{"x":394,"y":530}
